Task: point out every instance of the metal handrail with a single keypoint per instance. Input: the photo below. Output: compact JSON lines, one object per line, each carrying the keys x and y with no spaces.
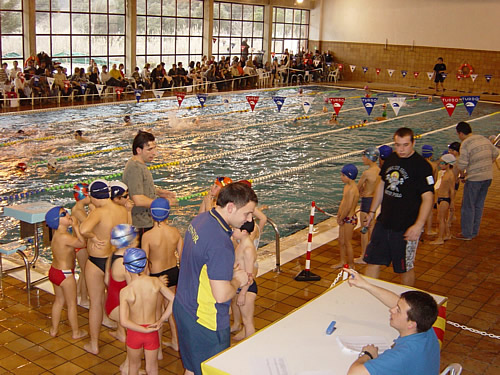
{"x":277,"y":244}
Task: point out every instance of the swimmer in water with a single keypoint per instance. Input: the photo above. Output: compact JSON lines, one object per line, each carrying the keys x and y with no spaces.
{"x":384,"y":113}
{"x":79,"y":136}
{"x":333,"y":120}
{"x":368,"y":93}
{"x":127,"y":120}
{"x":325,"y":110}
{"x":52,"y":165}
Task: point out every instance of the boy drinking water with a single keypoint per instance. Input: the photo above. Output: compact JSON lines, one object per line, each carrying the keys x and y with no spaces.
{"x":346,"y":216}
{"x":62,"y":270}
{"x":243,"y":303}
{"x":138,"y":311}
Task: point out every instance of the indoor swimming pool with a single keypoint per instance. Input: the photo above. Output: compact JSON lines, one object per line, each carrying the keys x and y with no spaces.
{"x":293,"y":157}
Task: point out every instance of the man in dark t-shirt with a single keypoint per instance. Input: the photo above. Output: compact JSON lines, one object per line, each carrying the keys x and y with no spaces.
{"x":439,"y":69}
{"x":406,"y":193}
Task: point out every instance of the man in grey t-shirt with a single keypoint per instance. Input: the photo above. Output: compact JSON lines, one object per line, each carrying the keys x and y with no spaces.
{"x":140,"y":183}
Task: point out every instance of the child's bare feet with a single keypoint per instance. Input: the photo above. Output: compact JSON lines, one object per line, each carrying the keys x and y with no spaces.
{"x":108,"y":322}
{"x":91,"y":348}
{"x":170,"y":344}
{"x":53,"y":332}
{"x":437,"y":242}
{"x":359,"y":260}
{"x":338,"y":265}
{"x":240,"y":336}
{"x":78,"y":335}
{"x":235,"y":328}
{"x":432,"y":233}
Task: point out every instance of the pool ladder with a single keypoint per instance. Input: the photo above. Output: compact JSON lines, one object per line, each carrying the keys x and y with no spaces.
{"x":277,"y":244}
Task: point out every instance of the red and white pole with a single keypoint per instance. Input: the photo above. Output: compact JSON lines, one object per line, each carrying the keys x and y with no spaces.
{"x":306,"y":274}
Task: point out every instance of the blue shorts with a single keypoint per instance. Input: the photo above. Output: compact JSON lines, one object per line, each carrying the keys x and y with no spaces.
{"x":366,"y":203}
{"x":388,"y":246}
{"x":197,"y":343}
{"x":252,"y":288}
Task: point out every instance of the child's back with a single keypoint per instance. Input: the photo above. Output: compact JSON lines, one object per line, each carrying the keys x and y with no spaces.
{"x":162,"y":241}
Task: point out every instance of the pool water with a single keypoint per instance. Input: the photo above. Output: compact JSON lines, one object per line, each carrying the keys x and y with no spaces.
{"x":216,"y":141}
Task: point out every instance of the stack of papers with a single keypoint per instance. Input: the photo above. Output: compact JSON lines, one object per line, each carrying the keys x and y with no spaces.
{"x":356,"y":343}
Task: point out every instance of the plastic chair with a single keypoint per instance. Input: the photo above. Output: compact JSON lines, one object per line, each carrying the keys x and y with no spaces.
{"x":333,"y":75}
{"x":453,"y":369}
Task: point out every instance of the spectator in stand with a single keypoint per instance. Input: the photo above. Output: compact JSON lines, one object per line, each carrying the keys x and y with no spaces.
{"x":117,"y":75}
{"x":182,"y":74}
{"x":174,"y":75}
{"x":158,"y":79}
{"x":15,"y":69}
{"x":146,"y":76}
{"x":250,"y":72}
{"x":4,"y":75}
{"x":106,"y":77}
{"x":22,"y":88}
{"x":59,"y":79}
{"x":94,"y":76}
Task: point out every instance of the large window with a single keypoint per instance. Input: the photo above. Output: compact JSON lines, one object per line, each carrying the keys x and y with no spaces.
{"x":11,"y":31}
{"x":290,"y":30}
{"x":235,"y":25}
{"x":74,"y":31}
{"x":169,"y":31}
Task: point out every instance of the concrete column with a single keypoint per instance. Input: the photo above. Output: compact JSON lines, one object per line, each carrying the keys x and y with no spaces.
{"x":29,"y":26}
{"x":208,"y":27}
{"x":268,"y":33}
{"x":130,"y":36}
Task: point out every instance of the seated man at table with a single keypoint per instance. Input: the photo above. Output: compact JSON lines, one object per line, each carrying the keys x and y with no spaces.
{"x":416,"y":350}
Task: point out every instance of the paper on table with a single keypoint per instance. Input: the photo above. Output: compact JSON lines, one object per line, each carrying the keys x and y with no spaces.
{"x":269,"y":366}
{"x":356,"y":343}
{"x":320,"y":372}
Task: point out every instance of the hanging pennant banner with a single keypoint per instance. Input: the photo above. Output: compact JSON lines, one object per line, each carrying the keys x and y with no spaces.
{"x":415,"y":74}
{"x":67,"y":85}
{"x":214,"y":40}
{"x":470,"y":103}
{"x":119,"y":91}
{"x":306,"y":104}
{"x":488,"y":77}
{"x":365,"y":69}
{"x":368,"y":104}
{"x":279,"y":101}
{"x":397,"y":103}
{"x":36,"y":80}
{"x":50,"y":80}
{"x":444,"y":75}
{"x":404,"y":73}
{"x":390,"y":72}
{"x":430,"y":75}
{"x":459,"y":76}
{"x":450,"y":103}
{"x":337,"y":104}
{"x":99,"y":88}
{"x":316,"y":63}
{"x":341,"y":66}
{"x":353,"y":67}
{"x":377,"y":70}
{"x":252,"y":100}
{"x":158,"y":94}
{"x":202,"y":98}
{"x":226,"y":102}
{"x":180,"y":97}
{"x":83,"y":87}
{"x":138,"y":94}
{"x":473,"y":77}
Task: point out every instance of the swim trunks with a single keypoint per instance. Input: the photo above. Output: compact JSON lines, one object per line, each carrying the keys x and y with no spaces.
{"x":252,"y":288}
{"x":58,"y":276}
{"x":172,"y":274}
{"x":351,"y":220}
{"x":366,"y":203}
{"x":439,"y":200}
{"x":99,"y":262}
{"x":114,"y":287}
{"x":77,"y":249}
{"x":139,"y":340}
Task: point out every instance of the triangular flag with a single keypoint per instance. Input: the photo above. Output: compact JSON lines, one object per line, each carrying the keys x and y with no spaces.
{"x":83,"y":87}
{"x":226,"y":102}
{"x":67,"y":84}
{"x":473,"y":77}
{"x":118,"y":91}
{"x":99,"y":88}
{"x":341,"y":66}
{"x":488,"y":77}
{"x":337,"y":104}
{"x":353,"y":67}
{"x":180,"y":97}
{"x":138,"y":94}
{"x":158,"y":94}
{"x":378,"y":71}
{"x":404,"y":73}
{"x":316,"y":63}
{"x":430,"y":75}
{"x":279,"y":101}
{"x":415,"y":74}
{"x":365,"y":69}
{"x":36,"y":80}
{"x":214,"y":40}
{"x":202,"y":98}
{"x":50,"y":80}
{"x":470,"y":103}
{"x":252,"y":100}
{"x":390,"y":72}
{"x":368,"y":103}
{"x":450,"y":103}
{"x":444,"y":75}
{"x":396,"y":103}
{"x":306,"y":104}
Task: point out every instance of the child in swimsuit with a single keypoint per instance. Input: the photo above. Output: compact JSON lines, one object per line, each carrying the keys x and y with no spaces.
{"x":138,"y":302}
{"x":163,"y":244}
{"x":62,"y":270}
{"x":243,"y":303}
{"x":210,"y":199}
{"x":445,"y":193}
{"x":346,"y":216}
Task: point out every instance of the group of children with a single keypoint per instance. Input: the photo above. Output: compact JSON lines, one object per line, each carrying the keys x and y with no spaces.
{"x":140,"y":282}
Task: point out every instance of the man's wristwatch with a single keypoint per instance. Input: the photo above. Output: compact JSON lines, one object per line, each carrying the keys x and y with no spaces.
{"x":367,"y":353}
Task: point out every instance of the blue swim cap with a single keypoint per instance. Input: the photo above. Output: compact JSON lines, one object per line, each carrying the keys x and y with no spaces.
{"x":160,"y":209}
{"x":134,"y":260}
{"x":372,"y":153}
{"x":52,"y":217}
{"x":427,"y":151}
{"x":122,"y":235}
{"x":99,"y":189}
{"x":117,"y":188}
{"x":350,"y":171}
{"x":385,"y":151}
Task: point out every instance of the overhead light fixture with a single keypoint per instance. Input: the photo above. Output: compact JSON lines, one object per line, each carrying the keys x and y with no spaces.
{"x":300,"y":1}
